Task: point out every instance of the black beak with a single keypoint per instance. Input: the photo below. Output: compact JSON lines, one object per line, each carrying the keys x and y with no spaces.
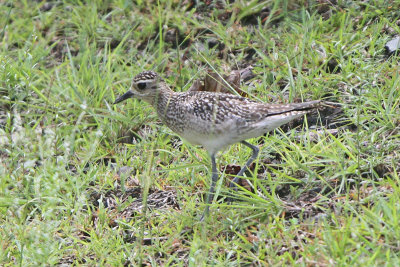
{"x":123,"y":97}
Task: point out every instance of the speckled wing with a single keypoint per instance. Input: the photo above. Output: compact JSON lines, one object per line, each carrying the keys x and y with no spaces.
{"x":242,"y":109}
{"x":250,"y":111}
{"x":219,"y":107}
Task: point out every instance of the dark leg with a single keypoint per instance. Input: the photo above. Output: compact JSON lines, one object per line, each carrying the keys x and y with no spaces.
{"x":248,"y":163}
{"x":210,"y":195}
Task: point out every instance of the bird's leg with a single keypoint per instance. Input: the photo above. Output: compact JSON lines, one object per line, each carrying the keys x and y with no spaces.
{"x":210,"y":195}
{"x":256,"y":150}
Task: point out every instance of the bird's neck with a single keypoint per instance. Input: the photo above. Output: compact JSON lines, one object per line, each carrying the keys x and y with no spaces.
{"x":163,"y":100}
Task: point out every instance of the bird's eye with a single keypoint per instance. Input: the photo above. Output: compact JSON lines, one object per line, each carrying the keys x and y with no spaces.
{"x":141,"y":86}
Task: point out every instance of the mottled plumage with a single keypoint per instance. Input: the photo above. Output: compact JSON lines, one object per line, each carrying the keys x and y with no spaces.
{"x":213,"y":120}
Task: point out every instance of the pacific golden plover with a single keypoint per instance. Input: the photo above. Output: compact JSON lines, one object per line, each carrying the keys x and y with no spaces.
{"x":213,"y":120}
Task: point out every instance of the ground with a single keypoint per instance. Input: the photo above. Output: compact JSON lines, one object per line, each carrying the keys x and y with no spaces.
{"x":84,"y":182}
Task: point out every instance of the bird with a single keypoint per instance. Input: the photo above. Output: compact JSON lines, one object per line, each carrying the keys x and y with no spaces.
{"x":213,"y":120}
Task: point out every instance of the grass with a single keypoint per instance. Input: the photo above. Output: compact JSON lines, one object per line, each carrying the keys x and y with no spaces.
{"x":71,"y":187}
